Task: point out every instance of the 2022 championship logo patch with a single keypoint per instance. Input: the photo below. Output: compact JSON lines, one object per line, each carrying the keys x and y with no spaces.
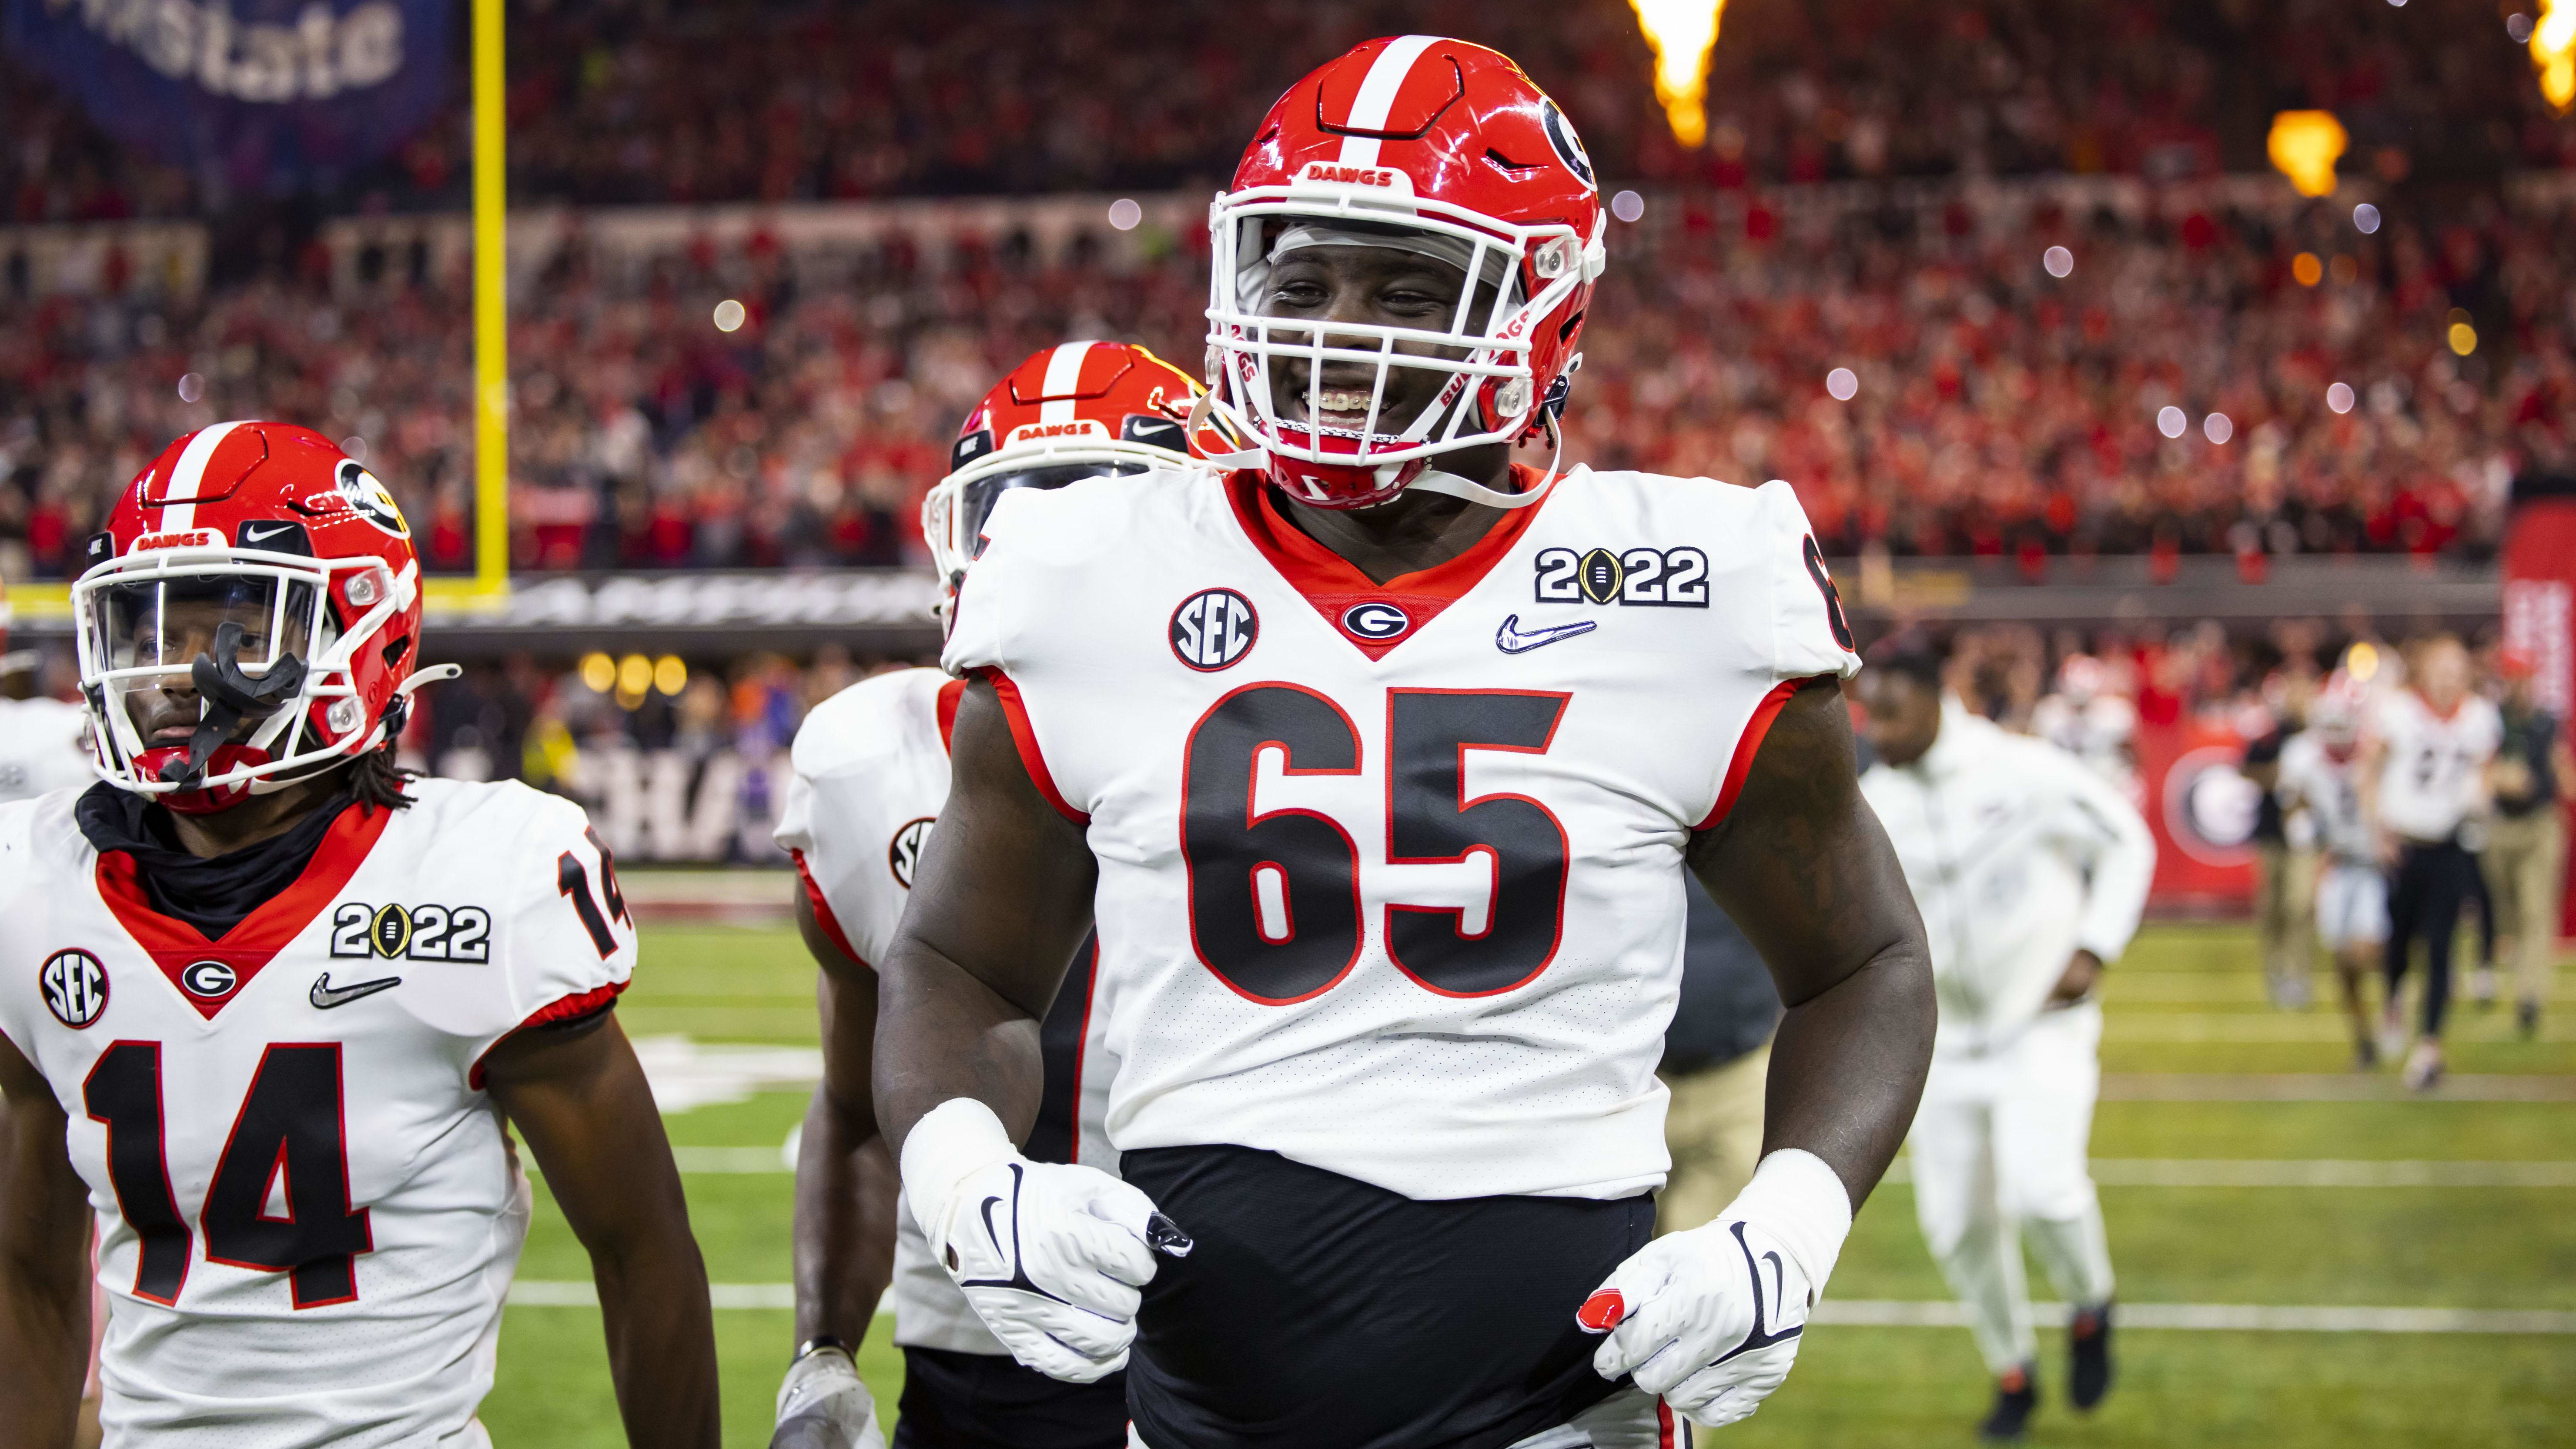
{"x":414,"y":933}
{"x":1650,"y":578}
{"x":74,"y":985}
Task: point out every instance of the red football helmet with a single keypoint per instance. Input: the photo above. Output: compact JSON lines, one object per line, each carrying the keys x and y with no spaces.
{"x":1430,"y":146}
{"x":1079,"y":410}
{"x":249,"y":618}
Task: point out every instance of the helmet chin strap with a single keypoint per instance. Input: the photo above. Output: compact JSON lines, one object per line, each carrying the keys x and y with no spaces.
{"x":1433,"y":480}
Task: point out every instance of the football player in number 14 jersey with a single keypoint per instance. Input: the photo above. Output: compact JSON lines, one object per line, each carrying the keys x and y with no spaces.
{"x":1376,"y":762}
{"x":871,"y":773}
{"x":269,"y":1010}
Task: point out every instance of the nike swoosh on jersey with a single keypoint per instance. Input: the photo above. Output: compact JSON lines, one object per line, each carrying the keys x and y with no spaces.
{"x":1511,"y":640}
{"x":325,"y":995}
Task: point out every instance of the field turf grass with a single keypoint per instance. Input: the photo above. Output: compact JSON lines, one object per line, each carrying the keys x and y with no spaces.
{"x":2187,"y":999}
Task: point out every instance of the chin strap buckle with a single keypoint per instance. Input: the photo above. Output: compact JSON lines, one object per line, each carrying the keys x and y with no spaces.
{"x":227,"y":695}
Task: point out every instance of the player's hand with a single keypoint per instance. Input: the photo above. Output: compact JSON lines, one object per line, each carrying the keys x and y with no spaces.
{"x":824,"y":1405}
{"x":2083,"y":973}
{"x":1052,"y":1256}
{"x":1710,"y":1319}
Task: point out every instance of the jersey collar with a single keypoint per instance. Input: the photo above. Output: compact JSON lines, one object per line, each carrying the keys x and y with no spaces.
{"x":175,"y":946}
{"x":1336,"y":587}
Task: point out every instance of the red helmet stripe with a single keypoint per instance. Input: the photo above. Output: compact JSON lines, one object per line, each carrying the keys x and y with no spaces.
{"x":179,"y":508}
{"x":1377,"y":96}
{"x":1063,"y":382}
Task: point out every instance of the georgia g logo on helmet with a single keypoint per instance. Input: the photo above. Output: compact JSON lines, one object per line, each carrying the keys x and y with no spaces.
{"x":369,"y":497}
{"x":1569,"y":147}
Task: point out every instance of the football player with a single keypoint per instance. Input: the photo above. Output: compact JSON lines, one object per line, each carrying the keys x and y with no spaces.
{"x":1376,"y":761}
{"x":871,"y":773}
{"x":273,"y":1009}
{"x":40,"y":739}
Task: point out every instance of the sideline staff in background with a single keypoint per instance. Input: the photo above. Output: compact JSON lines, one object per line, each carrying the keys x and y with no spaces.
{"x":2284,"y":875}
{"x":2423,"y":783}
{"x":2526,"y":854}
{"x":2031,"y":873}
{"x":1717,"y":1054}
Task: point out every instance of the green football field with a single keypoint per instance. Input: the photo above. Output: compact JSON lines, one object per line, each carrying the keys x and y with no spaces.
{"x":2244,"y":1168}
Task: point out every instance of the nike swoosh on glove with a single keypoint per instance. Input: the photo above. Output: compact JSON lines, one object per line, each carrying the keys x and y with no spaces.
{"x":1051,"y":1255}
{"x":1710,"y":1319}
{"x":824,"y":1405}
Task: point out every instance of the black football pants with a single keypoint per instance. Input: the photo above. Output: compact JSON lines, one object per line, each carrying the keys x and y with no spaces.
{"x":2431,"y":885}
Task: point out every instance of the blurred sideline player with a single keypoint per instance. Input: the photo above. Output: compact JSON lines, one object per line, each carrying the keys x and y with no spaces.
{"x":41,"y":740}
{"x":871,"y":773}
{"x":2320,"y":774}
{"x":2423,"y":787}
{"x":281,"y":1005}
{"x":2032,"y":872}
{"x":1382,"y":819}
{"x":2526,"y":854}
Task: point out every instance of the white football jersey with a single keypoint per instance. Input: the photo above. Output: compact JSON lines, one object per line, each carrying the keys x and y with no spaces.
{"x":870,"y":777}
{"x":41,"y":747}
{"x":2434,"y":772}
{"x":1391,"y":875}
{"x":2329,"y":789}
{"x":308,"y":1208}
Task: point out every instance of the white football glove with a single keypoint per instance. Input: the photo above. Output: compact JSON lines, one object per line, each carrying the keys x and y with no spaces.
{"x":1710,"y":1319}
{"x":824,"y":1405}
{"x":1051,"y":1255}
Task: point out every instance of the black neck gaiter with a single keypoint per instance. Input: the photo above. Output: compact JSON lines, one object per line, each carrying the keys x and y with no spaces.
{"x":214,"y":895}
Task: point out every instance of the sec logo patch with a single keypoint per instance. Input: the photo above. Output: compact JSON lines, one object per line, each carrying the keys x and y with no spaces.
{"x":1376,"y":621}
{"x":905,"y":852}
{"x":1213,"y":629}
{"x":74,"y":985}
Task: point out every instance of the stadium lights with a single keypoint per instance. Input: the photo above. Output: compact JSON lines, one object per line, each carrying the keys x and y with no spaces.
{"x":192,"y":386}
{"x":2059,"y":261}
{"x":2306,"y":270}
{"x":2304,"y":146}
{"x":598,"y":673}
{"x":1843,"y":383}
{"x":730,"y":315}
{"x":670,"y":674}
{"x":1683,"y":32}
{"x":1627,"y":206}
{"x":2339,"y":398}
{"x":2218,"y":428}
{"x":2553,"y":52}
{"x":1124,"y":213}
{"x":2365,"y":219}
{"x":2170,"y":421}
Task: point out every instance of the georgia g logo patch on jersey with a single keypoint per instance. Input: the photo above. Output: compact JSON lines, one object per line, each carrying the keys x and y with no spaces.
{"x":74,"y":985}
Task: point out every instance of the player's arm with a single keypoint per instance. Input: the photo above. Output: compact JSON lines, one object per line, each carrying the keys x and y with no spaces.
{"x":2365,"y":793}
{"x":579,"y":1098}
{"x":1710,"y":1318}
{"x":845,"y":1207}
{"x":44,"y":1264}
{"x":2118,"y":853}
{"x":1802,"y":864}
{"x":1000,"y":902}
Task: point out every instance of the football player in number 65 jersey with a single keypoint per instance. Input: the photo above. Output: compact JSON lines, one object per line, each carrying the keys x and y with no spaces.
{"x":269,"y":1010}
{"x":1376,"y":762}
{"x":871,"y":773}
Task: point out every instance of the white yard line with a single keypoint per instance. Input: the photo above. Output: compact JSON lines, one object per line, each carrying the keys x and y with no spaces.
{"x":1882,"y":1313}
{"x":2311,"y":1172}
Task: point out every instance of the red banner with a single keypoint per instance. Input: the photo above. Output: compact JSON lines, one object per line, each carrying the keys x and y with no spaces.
{"x":2539,"y":582}
{"x":2202,"y":809}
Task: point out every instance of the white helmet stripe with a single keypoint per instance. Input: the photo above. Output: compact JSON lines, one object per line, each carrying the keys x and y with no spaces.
{"x":1377,"y":96}
{"x":180,"y":512}
{"x":1063,"y":380}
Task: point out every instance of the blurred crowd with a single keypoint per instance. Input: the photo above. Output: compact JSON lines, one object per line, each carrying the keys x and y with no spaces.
{"x":2249,"y":383}
{"x":622,"y":101}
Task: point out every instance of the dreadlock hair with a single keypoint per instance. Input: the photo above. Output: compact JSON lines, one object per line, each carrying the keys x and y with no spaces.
{"x":377,"y":781}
